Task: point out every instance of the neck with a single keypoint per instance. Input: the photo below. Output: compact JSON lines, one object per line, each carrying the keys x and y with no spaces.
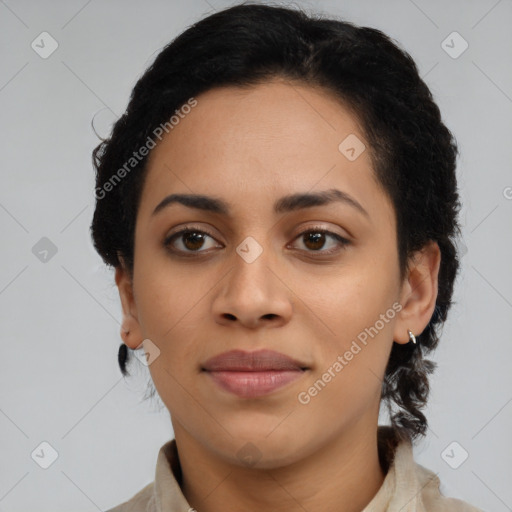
{"x":343,"y":476}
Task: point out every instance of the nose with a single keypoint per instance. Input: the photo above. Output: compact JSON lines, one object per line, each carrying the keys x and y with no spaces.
{"x":254,"y":295}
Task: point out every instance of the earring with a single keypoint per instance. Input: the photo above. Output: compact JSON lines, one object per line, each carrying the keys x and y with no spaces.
{"x":411,"y":337}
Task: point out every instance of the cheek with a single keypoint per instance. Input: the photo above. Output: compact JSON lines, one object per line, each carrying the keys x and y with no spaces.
{"x":353,"y":344}
{"x":350,"y":300}
{"x":347,"y":379}
{"x":163,"y":293}
{"x":172,"y":303}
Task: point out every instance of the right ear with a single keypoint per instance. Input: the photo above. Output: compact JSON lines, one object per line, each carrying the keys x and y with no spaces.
{"x":130,"y":327}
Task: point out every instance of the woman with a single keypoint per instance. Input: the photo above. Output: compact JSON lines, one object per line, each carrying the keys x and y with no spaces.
{"x":279,"y":203}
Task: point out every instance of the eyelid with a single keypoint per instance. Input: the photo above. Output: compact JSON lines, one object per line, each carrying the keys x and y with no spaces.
{"x":341,"y":241}
{"x":185,"y":229}
{"x":300,"y":231}
{"x":322,"y":228}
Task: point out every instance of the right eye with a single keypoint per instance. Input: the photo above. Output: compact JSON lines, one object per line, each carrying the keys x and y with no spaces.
{"x":190,"y":239}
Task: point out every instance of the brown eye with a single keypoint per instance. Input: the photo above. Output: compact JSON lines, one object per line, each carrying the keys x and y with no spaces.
{"x":188,"y":240}
{"x":193,"y":240}
{"x":316,"y":239}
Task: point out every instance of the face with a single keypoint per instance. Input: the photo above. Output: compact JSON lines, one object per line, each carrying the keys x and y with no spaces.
{"x":264,"y":269}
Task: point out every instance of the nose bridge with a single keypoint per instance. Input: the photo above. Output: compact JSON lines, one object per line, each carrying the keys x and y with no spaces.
{"x":251,"y":292}
{"x":251,"y":273}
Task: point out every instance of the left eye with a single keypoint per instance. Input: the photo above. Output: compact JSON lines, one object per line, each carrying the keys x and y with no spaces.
{"x":191,"y":240}
{"x":316,"y":238}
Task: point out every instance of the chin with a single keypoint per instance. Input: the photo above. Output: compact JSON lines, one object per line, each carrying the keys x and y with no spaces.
{"x":263,"y":453}
{"x":272,"y":446}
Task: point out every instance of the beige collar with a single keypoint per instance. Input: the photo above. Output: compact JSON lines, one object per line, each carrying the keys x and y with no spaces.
{"x":407,"y":487}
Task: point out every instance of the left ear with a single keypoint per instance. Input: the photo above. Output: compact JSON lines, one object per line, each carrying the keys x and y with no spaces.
{"x":419,"y":292}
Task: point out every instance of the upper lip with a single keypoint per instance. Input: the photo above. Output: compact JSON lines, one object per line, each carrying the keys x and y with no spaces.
{"x":260,"y":360}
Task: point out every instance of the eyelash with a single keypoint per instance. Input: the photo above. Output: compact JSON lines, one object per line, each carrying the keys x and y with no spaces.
{"x":343,"y":242}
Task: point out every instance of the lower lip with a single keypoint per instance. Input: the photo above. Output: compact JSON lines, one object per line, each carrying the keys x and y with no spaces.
{"x":254,"y":384}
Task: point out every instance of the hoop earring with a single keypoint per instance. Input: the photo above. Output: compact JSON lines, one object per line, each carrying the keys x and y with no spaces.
{"x":411,"y":337}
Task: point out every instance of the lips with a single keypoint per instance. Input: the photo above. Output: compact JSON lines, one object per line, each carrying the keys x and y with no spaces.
{"x":239,"y":360}
{"x":253,"y":374}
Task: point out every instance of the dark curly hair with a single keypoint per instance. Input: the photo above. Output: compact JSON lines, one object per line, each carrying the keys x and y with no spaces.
{"x":413,"y":153}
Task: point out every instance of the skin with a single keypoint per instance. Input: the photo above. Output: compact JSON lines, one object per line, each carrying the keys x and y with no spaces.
{"x":250,"y":147}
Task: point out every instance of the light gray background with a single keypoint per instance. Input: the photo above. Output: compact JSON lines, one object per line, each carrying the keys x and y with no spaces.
{"x":60,"y":319}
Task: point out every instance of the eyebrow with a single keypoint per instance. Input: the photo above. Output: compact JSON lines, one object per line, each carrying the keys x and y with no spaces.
{"x":287,"y":203}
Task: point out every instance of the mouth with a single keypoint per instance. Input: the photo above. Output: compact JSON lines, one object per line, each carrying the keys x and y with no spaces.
{"x":253,"y":374}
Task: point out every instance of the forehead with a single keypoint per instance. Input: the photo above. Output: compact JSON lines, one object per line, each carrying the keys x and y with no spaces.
{"x":260,"y":142}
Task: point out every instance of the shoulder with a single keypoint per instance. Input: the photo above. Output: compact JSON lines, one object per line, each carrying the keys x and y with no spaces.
{"x":143,"y":501}
{"x":433,"y":500}
{"x":164,"y":492}
{"x":416,"y":488}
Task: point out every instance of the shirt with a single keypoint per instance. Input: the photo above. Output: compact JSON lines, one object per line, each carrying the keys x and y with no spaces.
{"x":407,"y":486}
